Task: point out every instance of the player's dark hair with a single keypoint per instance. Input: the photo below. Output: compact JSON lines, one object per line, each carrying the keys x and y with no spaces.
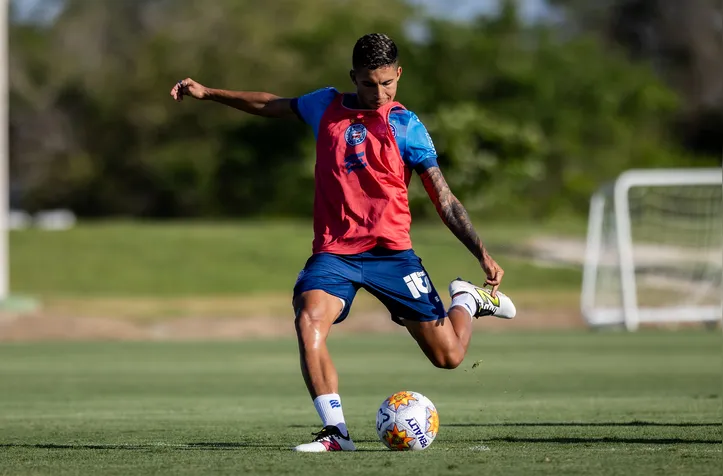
{"x":373,"y":51}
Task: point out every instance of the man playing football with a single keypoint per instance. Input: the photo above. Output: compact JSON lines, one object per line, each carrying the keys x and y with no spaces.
{"x":367,"y":147}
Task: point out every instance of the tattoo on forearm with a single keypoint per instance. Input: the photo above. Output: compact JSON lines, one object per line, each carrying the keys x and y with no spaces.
{"x":451,"y":211}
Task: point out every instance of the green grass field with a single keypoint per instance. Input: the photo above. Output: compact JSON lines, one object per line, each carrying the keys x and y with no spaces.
{"x":578,"y":403}
{"x":574,"y":403}
{"x":149,"y":271}
{"x":201,"y":259}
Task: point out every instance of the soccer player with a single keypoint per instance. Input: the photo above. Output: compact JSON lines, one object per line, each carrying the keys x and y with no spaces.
{"x":367,"y":147}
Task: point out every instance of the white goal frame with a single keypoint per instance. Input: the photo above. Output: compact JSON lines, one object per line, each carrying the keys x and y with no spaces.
{"x":4,"y":188}
{"x":629,"y":314}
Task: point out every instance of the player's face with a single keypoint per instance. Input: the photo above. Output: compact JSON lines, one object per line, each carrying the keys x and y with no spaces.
{"x":376,"y":87}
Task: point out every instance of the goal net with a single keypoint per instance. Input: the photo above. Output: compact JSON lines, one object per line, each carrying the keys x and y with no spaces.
{"x":655,"y":249}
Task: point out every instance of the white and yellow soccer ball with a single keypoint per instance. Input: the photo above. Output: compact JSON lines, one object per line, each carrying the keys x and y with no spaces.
{"x":407,"y":421}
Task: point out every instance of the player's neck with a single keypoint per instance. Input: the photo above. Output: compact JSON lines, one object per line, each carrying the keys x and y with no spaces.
{"x":351,"y":101}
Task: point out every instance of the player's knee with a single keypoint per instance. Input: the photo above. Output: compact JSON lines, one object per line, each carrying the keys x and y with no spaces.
{"x":448,"y":360}
{"x":308,"y":319}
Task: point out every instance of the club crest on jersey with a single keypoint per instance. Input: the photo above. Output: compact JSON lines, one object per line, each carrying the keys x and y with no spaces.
{"x":355,"y":134}
{"x":394,"y":129}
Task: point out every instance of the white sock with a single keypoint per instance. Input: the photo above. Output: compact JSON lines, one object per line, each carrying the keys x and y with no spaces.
{"x":329,"y":409}
{"x":466,"y":301}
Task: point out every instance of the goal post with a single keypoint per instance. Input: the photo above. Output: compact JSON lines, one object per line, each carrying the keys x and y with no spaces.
{"x":8,"y":302}
{"x":4,"y":180}
{"x":655,"y":249}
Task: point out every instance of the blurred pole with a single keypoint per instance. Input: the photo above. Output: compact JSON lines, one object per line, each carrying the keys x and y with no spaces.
{"x":4,"y":189}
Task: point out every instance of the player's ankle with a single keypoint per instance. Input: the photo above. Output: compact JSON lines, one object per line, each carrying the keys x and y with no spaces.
{"x":466,"y":301}
{"x":330,"y":411}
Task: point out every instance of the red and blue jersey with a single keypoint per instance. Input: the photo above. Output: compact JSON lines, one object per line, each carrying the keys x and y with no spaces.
{"x":364,"y":160}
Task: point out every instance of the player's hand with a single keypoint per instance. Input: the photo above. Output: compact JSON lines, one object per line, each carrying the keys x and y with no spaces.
{"x":494,"y":273}
{"x":188,"y":87}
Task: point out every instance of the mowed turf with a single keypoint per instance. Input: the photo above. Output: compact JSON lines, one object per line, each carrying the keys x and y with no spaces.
{"x":578,"y":403}
{"x":137,"y":259}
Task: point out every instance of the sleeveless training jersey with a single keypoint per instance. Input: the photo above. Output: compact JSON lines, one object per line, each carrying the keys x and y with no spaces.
{"x":364,"y":160}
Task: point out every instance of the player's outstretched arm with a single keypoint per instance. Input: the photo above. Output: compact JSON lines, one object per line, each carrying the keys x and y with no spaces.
{"x":256,"y":103}
{"x":455,"y":216}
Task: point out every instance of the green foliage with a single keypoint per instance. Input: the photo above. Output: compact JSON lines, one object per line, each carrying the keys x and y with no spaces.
{"x":488,"y":160}
{"x":540,"y":120}
{"x":530,"y":117}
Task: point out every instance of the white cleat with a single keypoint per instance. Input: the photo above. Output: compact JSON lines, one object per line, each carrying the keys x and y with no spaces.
{"x":498,"y":306}
{"x":328,"y":439}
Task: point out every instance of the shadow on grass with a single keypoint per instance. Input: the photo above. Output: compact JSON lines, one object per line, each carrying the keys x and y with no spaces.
{"x":228,"y":446}
{"x":586,"y":424}
{"x":221,"y":446}
{"x":573,"y":441}
{"x":146,"y":447}
{"x":582,"y":440}
{"x":206,"y":446}
{"x":568,"y":424}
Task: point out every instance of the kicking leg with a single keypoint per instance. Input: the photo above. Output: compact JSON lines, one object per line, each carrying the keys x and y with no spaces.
{"x":316,"y":311}
{"x":401,"y":283}
{"x":445,"y":341}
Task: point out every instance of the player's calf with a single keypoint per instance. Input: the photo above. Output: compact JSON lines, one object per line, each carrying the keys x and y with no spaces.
{"x":447,"y":361}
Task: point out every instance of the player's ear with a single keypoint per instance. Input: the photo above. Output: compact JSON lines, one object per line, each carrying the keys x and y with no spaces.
{"x":352,"y":76}
{"x":399,"y":72}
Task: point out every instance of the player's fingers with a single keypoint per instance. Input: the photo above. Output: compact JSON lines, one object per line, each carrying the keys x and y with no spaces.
{"x":494,"y":280}
{"x":181,"y":88}
{"x":500,"y":273}
{"x":176,"y":91}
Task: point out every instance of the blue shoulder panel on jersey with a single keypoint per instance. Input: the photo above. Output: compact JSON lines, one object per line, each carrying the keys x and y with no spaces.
{"x":310,"y":107}
{"x":414,"y":142}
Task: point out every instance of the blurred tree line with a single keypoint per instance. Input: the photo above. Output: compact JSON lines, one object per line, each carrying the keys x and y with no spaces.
{"x":532,"y":117}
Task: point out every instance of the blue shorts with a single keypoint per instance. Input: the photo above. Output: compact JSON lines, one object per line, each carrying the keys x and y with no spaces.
{"x":396,"y":278}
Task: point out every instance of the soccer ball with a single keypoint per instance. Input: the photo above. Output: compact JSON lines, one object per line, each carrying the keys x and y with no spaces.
{"x":407,"y":421}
